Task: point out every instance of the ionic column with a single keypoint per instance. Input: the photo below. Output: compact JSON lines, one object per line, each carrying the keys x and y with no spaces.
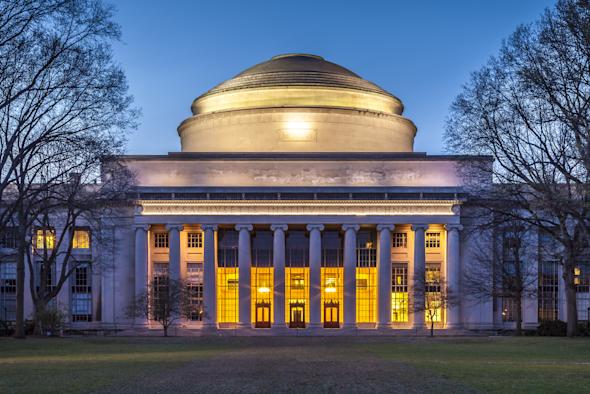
{"x":278,"y":263}
{"x":384,"y":272}
{"x":453,"y":278}
{"x":174,"y":251}
{"x":350,"y":274}
{"x":418,"y":280}
{"x":244,"y":270}
{"x":315,"y":269}
{"x":209,"y":276}
{"x":141,"y":262}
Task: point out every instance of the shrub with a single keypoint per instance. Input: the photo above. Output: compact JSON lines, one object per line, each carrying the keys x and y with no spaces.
{"x":556,"y":328}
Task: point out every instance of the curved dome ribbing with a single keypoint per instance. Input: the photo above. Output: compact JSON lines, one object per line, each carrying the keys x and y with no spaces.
{"x":297,"y":70}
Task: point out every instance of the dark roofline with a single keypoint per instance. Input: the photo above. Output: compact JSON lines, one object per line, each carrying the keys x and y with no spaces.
{"x":303,"y":156}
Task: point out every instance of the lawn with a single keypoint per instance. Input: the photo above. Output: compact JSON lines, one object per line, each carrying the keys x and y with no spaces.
{"x":287,"y":364}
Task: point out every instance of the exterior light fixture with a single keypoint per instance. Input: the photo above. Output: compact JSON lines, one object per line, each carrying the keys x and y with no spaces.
{"x":330,"y":290}
{"x":263,"y":289}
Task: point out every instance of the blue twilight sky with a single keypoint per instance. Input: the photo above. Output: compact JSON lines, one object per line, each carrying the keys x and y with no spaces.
{"x":422,"y":51}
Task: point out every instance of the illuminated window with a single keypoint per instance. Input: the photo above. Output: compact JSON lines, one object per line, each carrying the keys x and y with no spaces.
{"x":297,"y":279}
{"x":433,"y":295}
{"x":582,"y":277}
{"x":366,"y":278}
{"x":399,"y":292}
{"x":161,"y":240}
{"x":195,"y":240}
{"x":548,"y":290}
{"x":227,"y":278}
{"x":81,"y":305}
{"x":262,"y":296}
{"x":7,"y":291}
{"x":45,"y":239}
{"x":332,"y":280}
{"x":81,"y":239}
{"x":194,"y":278}
{"x":400,"y":240}
{"x":432,"y":240}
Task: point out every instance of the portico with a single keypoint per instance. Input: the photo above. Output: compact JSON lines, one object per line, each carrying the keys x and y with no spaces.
{"x":343,"y":279}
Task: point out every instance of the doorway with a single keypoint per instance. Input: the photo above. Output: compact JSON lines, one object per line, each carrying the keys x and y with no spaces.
{"x":297,"y":315}
{"x":262,"y":315}
{"x":331,"y":314}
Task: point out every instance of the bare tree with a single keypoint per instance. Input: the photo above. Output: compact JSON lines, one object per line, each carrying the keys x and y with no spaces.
{"x":529,"y":108}
{"x":503,"y":264}
{"x":437,"y":299}
{"x":63,"y":105}
{"x":164,"y":301}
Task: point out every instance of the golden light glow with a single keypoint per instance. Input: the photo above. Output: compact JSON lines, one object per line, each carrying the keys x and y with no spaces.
{"x":332,"y":280}
{"x":262,"y":284}
{"x":366,"y":295}
{"x":227,"y":295}
{"x":81,"y":239}
{"x":296,"y":292}
{"x":45,"y":239}
{"x":399,"y":307}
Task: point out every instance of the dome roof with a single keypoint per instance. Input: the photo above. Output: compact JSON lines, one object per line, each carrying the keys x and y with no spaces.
{"x":297,"y":103}
{"x":297,"y":70}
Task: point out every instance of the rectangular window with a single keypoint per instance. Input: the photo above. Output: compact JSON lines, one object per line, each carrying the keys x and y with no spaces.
{"x":41,"y":272}
{"x":399,"y":292}
{"x":508,"y":309}
{"x":195,"y":240}
{"x":45,"y":238}
{"x":194,"y":277}
{"x":159,"y":290}
{"x":433,"y":294}
{"x":161,"y":240}
{"x":8,"y":238}
{"x":81,"y":307}
{"x":81,"y":239}
{"x":582,"y":277}
{"x":548,"y":290}
{"x":7,"y":291}
{"x":432,"y":240}
{"x":400,"y":240}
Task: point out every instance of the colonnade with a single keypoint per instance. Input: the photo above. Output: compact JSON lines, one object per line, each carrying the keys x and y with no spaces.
{"x":384,"y":269}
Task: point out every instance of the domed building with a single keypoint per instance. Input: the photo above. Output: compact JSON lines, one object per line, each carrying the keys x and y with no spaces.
{"x":296,"y":205}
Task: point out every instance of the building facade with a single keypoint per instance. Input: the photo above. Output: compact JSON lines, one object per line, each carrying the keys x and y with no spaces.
{"x":296,"y":204}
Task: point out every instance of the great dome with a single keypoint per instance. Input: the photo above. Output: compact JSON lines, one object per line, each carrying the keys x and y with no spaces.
{"x":297,"y":103}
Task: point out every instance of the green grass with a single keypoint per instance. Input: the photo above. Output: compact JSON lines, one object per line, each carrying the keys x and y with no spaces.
{"x":287,"y":364}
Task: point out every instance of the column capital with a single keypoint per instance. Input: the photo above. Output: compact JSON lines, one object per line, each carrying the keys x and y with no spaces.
{"x":453,"y":227}
{"x":144,"y":227}
{"x":212,"y":227}
{"x":315,"y":227}
{"x":418,"y":227}
{"x":240,"y":227}
{"x":381,"y":227}
{"x":355,"y":227}
{"x":275,"y":227}
{"x":177,"y":227}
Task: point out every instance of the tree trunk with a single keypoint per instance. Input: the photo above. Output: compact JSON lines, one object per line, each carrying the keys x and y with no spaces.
{"x":19,"y":330}
{"x":431,"y":328}
{"x":39,"y":310}
{"x":518,"y":300}
{"x":165,"y":330}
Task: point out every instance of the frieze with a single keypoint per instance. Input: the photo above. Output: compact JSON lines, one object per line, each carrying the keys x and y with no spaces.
{"x":270,"y":208}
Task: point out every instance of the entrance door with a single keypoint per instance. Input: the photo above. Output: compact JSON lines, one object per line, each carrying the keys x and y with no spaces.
{"x":297,"y":314}
{"x":331,"y":315}
{"x":262,"y":315}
